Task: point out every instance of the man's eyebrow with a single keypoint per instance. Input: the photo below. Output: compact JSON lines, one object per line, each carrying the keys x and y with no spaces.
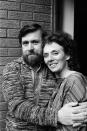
{"x":35,"y":41}
{"x":25,"y":41}
{"x":55,"y":51}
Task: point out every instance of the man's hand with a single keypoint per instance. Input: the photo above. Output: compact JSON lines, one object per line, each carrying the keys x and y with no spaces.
{"x":65,"y":114}
{"x":80,"y":114}
{"x":72,"y":114}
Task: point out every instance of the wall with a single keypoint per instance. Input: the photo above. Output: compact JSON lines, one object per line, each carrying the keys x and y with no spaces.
{"x":14,"y":14}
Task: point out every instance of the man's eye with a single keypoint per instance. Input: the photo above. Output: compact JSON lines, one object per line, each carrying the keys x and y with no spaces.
{"x":35,"y":42}
{"x":25,"y":43}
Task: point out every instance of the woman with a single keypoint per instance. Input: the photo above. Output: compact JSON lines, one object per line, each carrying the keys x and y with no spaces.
{"x":59,"y":56}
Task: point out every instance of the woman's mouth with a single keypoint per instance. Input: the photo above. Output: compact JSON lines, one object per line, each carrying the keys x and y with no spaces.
{"x":52,"y":65}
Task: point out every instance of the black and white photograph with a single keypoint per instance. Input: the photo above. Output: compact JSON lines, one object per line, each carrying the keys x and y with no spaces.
{"x":43,"y":68}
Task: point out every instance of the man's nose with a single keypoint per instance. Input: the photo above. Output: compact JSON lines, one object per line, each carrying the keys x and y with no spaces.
{"x":30,"y":46}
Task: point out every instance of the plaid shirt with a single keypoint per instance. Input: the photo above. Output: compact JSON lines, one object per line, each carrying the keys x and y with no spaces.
{"x":34,"y":97}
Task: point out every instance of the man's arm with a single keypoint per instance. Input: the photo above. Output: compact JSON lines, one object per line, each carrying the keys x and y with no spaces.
{"x":80,"y":114}
{"x":23,"y":108}
{"x":73,"y":114}
{"x":14,"y":92}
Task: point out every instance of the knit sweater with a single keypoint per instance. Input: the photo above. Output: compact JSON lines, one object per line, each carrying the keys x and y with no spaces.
{"x":27,"y":93}
{"x":34,"y":97}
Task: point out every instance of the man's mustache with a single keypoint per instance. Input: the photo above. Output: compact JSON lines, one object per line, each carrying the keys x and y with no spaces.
{"x":31,"y":52}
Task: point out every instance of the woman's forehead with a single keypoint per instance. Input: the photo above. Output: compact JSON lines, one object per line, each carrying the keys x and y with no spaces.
{"x":52,"y":46}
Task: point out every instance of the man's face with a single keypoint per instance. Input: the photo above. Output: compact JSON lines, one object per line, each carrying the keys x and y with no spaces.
{"x":32,"y":48}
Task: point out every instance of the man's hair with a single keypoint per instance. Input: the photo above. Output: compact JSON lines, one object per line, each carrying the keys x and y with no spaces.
{"x":30,"y":29}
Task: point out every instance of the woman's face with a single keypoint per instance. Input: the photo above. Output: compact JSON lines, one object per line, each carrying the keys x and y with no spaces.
{"x":54,"y":57}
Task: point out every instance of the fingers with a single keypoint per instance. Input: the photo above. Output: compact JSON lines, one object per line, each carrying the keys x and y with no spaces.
{"x":81,"y":117}
{"x":72,"y":104}
{"x":83,"y":104}
{"x":80,"y":108}
{"x":76,"y":124}
{"x":85,"y":121}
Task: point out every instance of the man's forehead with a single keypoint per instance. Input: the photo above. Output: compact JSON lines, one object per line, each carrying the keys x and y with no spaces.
{"x":33,"y":36}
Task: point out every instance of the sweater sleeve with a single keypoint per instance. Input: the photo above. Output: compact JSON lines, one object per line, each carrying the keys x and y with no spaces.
{"x":14,"y":93}
{"x":20,"y":107}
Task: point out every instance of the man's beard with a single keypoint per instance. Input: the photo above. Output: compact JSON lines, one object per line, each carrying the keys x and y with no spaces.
{"x":33,"y":59}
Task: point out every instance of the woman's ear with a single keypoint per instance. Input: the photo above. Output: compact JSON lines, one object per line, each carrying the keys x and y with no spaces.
{"x":67,"y":57}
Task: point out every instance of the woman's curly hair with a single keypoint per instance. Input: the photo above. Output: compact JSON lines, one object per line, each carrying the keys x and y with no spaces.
{"x":69,"y":45}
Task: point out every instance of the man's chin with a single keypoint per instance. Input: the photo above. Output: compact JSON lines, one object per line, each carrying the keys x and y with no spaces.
{"x":33,"y":60}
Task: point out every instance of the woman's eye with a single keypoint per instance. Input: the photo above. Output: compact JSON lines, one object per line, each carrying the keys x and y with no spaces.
{"x":45,"y":55}
{"x":55,"y":53}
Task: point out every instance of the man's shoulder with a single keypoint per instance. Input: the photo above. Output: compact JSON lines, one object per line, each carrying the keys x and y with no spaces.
{"x":13,"y":64}
{"x":15,"y":61}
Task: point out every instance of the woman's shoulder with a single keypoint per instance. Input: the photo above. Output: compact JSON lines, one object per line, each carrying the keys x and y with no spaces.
{"x":76,"y":75}
{"x":76,"y":78}
{"x":77,"y":83}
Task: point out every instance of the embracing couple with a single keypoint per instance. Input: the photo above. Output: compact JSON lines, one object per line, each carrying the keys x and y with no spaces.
{"x":43,"y":88}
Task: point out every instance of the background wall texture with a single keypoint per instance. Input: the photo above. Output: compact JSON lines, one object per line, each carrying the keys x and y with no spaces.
{"x":14,"y":14}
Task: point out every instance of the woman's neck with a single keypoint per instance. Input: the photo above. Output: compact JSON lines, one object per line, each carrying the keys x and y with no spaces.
{"x":64,"y":73}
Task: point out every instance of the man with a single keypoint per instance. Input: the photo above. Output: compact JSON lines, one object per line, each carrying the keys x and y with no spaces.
{"x":28,"y":86}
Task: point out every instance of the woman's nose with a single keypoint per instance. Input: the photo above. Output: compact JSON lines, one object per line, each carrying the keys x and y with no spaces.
{"x":50,"y":58}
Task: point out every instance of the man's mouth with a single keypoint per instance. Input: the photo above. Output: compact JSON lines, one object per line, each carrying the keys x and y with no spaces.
{"x":31,"y":54}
